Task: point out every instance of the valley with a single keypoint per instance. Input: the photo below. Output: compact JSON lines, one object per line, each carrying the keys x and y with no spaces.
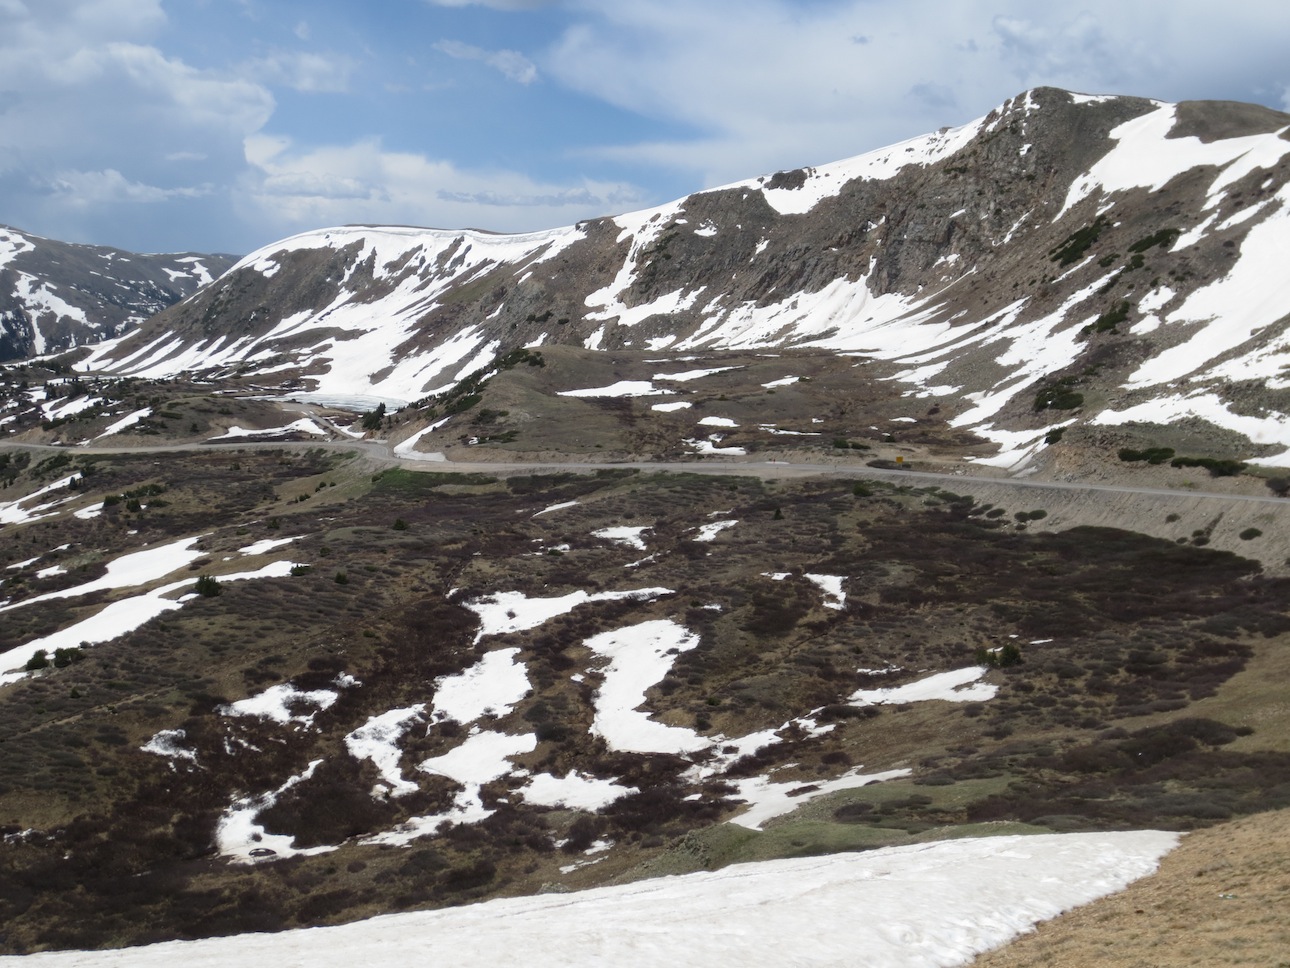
{"x":935,"y":494}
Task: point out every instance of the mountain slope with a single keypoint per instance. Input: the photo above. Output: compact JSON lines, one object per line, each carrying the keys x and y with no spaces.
{"x":56,"y":295}
{"x":1116,"y":251}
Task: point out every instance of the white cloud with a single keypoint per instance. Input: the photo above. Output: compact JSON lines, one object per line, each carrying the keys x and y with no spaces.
{"x":89,"y":188}
{"x":511,"y":63}
{"x":773,"y":83}
{"x":309,"y":73}
{"x":495,"y":4}
{"x":296,"y":188}
{"x":102,"y":105}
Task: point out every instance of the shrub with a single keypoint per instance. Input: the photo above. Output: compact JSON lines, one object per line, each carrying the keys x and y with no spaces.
{"x":1152,"y":455}
{"x":65,"y":657}
{"x":1250,"y":533}
{"x":1110,"y":319}
{"x":208,"y":586}
{"x":341,"y":578}
{"x":40,"y":660}
{"x":1217,"y":467}
{"x":400,"y":524}
{"x":372,"y":421}
{"x":1162,"y":238}
{"x":1058,"y":397}
{"x":1077,"y":243}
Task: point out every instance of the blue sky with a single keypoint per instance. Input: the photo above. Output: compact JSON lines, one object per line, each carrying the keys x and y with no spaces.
{"x":224,"y":125}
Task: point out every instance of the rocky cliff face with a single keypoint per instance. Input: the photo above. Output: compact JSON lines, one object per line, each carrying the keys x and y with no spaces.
{"x":55,"y":296}
{"x":1106,"y":259}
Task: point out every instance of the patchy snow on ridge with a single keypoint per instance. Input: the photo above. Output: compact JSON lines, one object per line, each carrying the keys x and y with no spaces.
{"x":884,"y":163}
{"x":1145,"y":156}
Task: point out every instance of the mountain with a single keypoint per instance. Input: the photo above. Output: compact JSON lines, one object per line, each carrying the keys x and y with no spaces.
{"x":55,"y":295}
{"x":1097,"y":261}
{"x":917,"y":497}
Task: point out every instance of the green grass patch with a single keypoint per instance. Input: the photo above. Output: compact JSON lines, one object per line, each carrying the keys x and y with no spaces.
{"x":398,"y":480}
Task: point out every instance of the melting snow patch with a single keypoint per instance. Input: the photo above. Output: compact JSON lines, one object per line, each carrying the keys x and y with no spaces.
{"x":279,"y":703}
{"x":708,"y":532}
{"x":958,"y":685}
{"x":137,"y":568}
{"x":242,"y":840}
{"x":304,"y":425}
{"x":483,"y":757}
{"x":717,"y":422}
{"x":831,"y":585}
{"x":377,"y":740}
{"x":769,"y":800}
{"x":671,"y":407}
{"x":556,"y":507}
{"x":688,"y":375}
{"x":169,"y":743}
{"x":623,"y":388}
{"x":13,"y":512}
{"x":640,"y":655}
{"x":267,"y":545}
{"x":493,"y":685}
{"x":624,"y":535}
{"x":574,"y":791}
{"x":712,"y":446}
{"x":504,"y":612}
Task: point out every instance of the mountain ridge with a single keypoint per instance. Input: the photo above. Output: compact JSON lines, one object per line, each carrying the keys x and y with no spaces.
{"x":56,"y":296}
{"x":1102,"y":229}
{"x":526,"y":636}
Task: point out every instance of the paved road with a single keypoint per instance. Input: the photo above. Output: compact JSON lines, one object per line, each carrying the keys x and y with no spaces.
{"x":380,"y":452}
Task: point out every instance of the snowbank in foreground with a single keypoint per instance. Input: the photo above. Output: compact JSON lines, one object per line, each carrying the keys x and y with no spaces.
{"x":921,"y":905}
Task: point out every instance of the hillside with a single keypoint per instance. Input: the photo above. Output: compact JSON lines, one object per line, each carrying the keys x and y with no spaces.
{"x":1106,"y":269}
{"x":923,"y":496}
{"x":55,"y":296}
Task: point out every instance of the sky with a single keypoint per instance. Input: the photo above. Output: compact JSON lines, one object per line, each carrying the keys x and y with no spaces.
{"x":226,"y":125}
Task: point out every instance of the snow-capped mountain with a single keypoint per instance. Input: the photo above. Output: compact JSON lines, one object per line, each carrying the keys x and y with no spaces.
{"x":1115,"y":254}
{"x":55,"y":295}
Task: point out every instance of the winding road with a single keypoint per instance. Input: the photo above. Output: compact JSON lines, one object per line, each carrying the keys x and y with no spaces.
{"x":382,"y":453}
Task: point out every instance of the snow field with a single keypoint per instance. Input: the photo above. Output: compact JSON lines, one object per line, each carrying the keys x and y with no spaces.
{"x":836,"y":910}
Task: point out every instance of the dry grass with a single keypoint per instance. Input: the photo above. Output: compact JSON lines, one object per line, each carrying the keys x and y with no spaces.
{"x":1221,"y":898}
